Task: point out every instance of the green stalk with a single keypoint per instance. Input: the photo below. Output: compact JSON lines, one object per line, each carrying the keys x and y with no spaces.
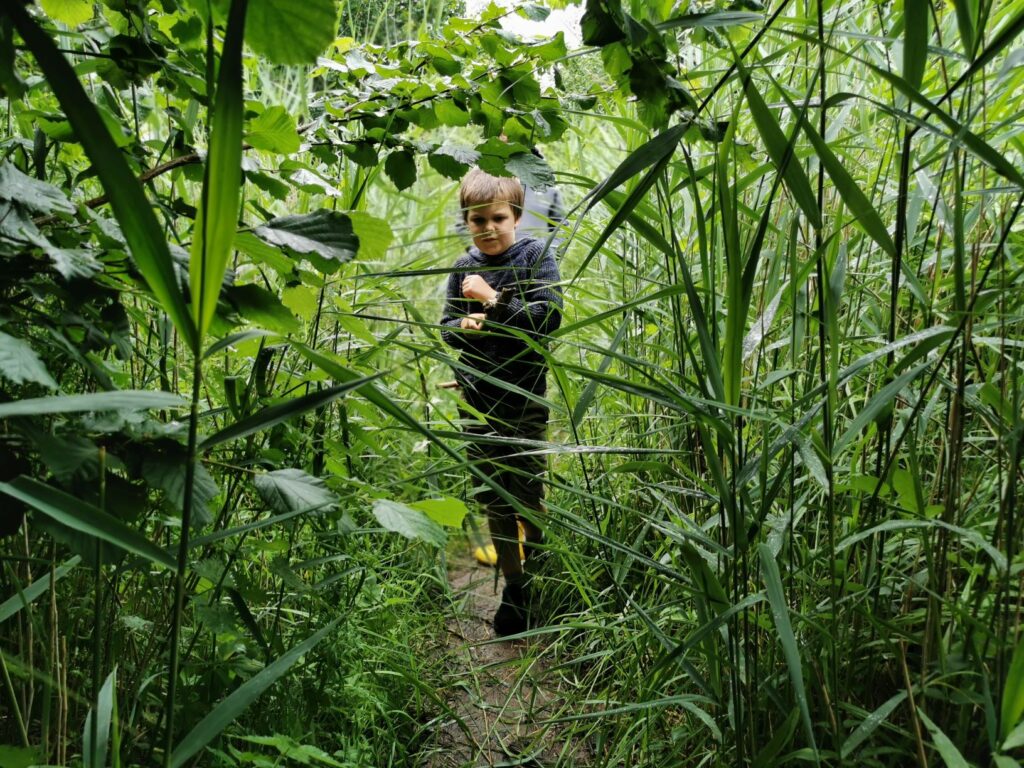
{"x":885,"y":429}
{"x":115,"y":734}
{"x":12,"y":694}
{"x":180,"y":576}
{"x":828,"y":381}
{"x":97,"y":614}
{"x":211,"y":249}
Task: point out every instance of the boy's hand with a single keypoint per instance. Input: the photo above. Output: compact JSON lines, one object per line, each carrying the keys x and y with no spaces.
{"x":475,"y":287}
{"x":473,"y":322}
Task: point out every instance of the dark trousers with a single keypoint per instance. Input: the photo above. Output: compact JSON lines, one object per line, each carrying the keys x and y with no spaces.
{"x":494,"y":450}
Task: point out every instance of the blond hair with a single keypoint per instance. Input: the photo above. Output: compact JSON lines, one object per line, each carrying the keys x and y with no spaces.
{"x":479,"y":188}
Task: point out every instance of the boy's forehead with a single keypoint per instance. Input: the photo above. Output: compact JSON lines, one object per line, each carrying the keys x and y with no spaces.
{"x":491,"y":208}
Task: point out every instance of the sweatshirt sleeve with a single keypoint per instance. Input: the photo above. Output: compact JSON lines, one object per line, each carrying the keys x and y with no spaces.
{"x":538,"y":307}
{"x":456,"y":307}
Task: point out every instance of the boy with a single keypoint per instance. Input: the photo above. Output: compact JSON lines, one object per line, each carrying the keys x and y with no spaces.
{"x":501,"y":286}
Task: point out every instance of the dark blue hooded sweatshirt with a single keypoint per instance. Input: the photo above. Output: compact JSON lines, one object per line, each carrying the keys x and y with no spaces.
{"x":533,"y":308}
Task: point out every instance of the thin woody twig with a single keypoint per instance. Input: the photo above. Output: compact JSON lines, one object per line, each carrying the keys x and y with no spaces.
{"x":152,"y":173}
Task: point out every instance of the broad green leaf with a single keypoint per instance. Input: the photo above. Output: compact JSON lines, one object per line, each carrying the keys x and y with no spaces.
{"x":264,"y":253}
{"x":127,"y":198}
{"x":459,"y":153}
{"x":1004,"y":761}
{"x":17,"y":229}
{"x":915,"y":40}
{"x":288,"y":490}
{"x":550,"y":50}
{"x":128,"y":399}
{"x":1013,"y":693}
{"x":446,"y":511}
{"x":19,"y":363}
{"x":374,"y":235}
{"x":400,"y":166}
{"x":167,"y":470}
{"x":33,"y":194}
{"x":1015,"y":739}
{"x":19,"y":757}
{"x":524,"y":87}
{"x":272,"y":185}
{"x":285,"y":411}
{"x":76,"y":514}
{"x":217,"y":216}
{"x":74,"y":262}
{"x":289,"y":32}
{"x":780,"y":150}
{"x":211,"y":726}
{"x":452,"y":160}
{"x":440,"y":59}
{"x":291,"y":750}
{"x":67,"y":455}
{"x":40,"y":586}
{"x":411,"y":523}
{"x":95,"y":755}
{"x":450,"y":113}
{"x":360,"y":152}
{"x":599,"y":27}
{"x":70,"y":12}
{"x":274,"y":130}
{"x":950,"y":755}
{"x":786,"y":638}
{"x":533,"y":12}
{"x":261,"y":308}
{"x":301,"y":299}
{"x":532,"y":170}
{"x":325,"y":236}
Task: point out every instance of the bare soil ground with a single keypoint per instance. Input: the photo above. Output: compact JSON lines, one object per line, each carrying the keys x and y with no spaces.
{"x":500,"y":693}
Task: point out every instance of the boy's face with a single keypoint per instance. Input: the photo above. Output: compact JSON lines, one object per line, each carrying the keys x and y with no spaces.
{"x":493,"y":227}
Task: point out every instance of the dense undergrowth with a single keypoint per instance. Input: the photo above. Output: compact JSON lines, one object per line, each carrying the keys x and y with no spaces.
{"x":787,"y":414}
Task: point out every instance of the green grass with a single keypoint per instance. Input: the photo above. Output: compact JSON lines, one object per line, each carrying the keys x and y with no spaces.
{"x":786,"y":409}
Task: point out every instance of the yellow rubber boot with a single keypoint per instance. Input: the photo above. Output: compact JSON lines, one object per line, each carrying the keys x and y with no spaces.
{"x":487,"y":555}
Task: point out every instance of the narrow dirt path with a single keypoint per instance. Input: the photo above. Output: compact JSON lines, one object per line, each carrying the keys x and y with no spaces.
{"x":500,"y":693}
